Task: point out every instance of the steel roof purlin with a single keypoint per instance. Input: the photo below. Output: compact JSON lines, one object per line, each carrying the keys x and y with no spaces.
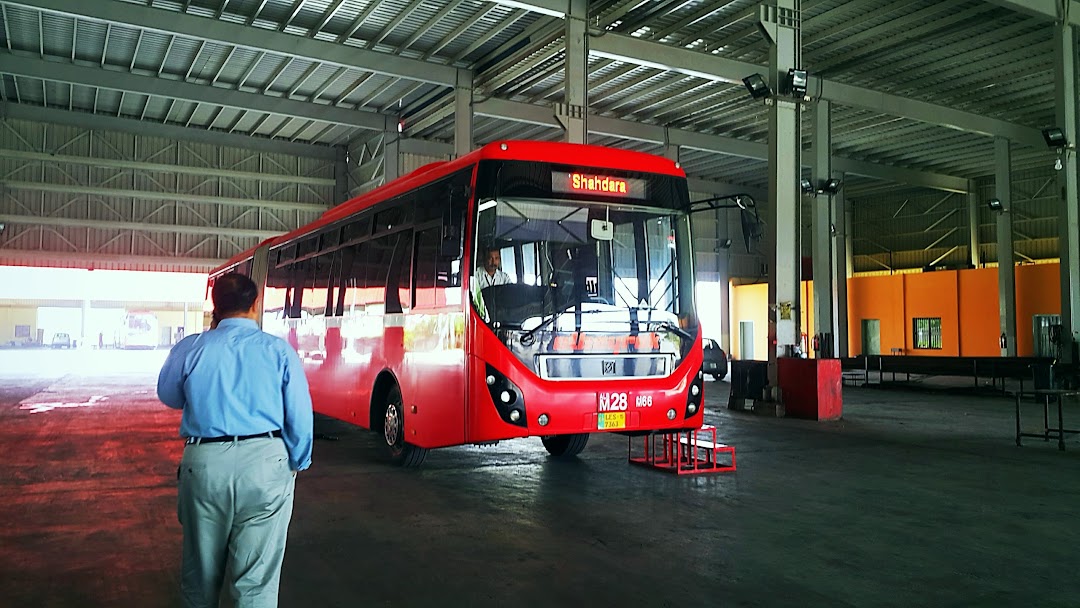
{"x":154,"y":19}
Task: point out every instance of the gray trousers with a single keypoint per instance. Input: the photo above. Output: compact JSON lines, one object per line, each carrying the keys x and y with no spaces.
{"x":235,"y":502}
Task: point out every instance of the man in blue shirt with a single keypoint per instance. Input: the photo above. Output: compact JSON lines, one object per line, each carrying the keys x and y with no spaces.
{"x":247,"y":422}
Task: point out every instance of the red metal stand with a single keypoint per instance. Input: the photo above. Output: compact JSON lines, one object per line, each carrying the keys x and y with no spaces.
{"x":684,"y":453}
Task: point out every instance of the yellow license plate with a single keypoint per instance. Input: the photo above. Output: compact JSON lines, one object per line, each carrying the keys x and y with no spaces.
{"x":611,"y":420}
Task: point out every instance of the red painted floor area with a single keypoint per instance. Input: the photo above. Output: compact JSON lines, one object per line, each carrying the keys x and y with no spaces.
{"x":89,"y":475}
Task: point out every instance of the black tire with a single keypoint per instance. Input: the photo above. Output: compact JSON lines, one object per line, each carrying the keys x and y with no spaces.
{"x":565,"y":446}
{"x":394,"y":446}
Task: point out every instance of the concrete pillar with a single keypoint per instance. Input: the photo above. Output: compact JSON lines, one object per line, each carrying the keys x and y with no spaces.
{"x":572,"y":112}
{"x":341,"y":176}
{"x":973,"y":224}
{"x":781,"y":24}
{"x":463,"y":115}
{"x":1006,"y":267}
{"x":841,"y":270}
{"x":84,"y":318}
{"x":1068,"y":100}
{"x":391,"y":150}
{"x":824,"y":305}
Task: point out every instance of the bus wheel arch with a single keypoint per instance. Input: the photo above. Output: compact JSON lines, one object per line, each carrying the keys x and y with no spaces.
{"x":388,"y":421}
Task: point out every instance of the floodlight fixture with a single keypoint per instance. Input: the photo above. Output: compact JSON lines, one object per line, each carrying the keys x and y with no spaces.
{"x":796,"y":83}
{"x":995,"y":205}
{"x":832,"y":186}
{"x":806,"y":186}
{"x":755,"y":83}
{"x":1055,"y":138}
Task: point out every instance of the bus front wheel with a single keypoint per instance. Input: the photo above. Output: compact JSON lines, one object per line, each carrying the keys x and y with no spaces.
{"x":396,"y":449}
{"x":565,"y":446}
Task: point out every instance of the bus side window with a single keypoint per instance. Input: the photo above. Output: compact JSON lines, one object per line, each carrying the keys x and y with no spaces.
{"x":425,"y":274}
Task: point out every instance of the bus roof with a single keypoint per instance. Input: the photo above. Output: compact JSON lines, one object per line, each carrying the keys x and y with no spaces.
{"x":539,"y":151}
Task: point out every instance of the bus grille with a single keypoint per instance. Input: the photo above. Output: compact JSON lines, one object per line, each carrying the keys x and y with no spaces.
{"x":600,"y":367}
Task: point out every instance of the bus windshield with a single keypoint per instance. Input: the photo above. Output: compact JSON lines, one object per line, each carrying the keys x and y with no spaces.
{"x":551,"y":267}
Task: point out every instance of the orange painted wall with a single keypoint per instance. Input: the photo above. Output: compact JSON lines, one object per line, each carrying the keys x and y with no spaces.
{"x":966,"y":301}
{"x":979,"y":311}
{"x":879,"y":298}
{"x":932,"y":294}
{"x":1038,"y":292}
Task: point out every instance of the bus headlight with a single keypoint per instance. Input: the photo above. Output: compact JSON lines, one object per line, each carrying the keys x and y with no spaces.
{"x":505,"y":394}
{"x":542,"y":420}
{"x":695,"y":396}
{"x":671,"y":414}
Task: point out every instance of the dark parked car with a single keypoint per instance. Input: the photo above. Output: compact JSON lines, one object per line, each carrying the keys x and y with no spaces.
{"x":715,"y":359}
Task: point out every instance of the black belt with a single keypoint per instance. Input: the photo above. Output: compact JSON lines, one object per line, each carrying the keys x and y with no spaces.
{"x":266,"y":435}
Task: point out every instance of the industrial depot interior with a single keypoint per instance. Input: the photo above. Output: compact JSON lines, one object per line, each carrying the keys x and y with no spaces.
{"x":877,"y":241}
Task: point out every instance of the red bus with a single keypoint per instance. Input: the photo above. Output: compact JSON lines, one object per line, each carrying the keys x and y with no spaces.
{"x":591,"y":328}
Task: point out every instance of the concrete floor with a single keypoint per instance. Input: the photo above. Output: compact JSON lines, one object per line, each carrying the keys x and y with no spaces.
{"x":914,"y":499}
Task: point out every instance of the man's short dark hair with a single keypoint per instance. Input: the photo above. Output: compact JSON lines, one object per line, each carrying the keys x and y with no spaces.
{"x":233,"y":293}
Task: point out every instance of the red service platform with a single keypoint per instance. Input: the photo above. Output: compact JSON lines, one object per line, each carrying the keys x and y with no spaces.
{"x":693,"y":452}
{"x":810,"y":388}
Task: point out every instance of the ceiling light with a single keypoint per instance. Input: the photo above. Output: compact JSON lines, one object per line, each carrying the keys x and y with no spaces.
{"x":1055,"y":137}
{"x":995,"y":204}
{"x":807,"y":187}
{"x":755,"y":83}
{"x":832,"y":186}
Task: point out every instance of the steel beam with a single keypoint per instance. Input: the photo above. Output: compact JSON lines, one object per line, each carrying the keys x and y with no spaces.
{"x":100,"y":122}
{"x":841,"y":269}
{"x":1066,"y":50}
{"x":1044,"y":9}
{"x":576,"y":73}
{"x":626,"y":129}
{"x":973,"y":226}
{"x":80,"y":190}
{"x":341,"y":175}
{"x":257,"y":39}
{"x":1006,"y":266}
{"x":391,"y":151}
{"x":68,"y":259}
{"x":33,"y":67}
{"x":64,"y":222}
{"x":463,"y":113}
{"x":135,"y":165}
{"x":825,"y":318}
{"x":425,"y":147}
{"x":784,"y":192}
{"x":702,"y":65}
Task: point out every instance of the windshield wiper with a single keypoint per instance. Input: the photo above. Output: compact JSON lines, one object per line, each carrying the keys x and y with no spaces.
{"x":668,"y":325}
{"x":547,"y":322}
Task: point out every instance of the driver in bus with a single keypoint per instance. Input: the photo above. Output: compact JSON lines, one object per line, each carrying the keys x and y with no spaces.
{"x":490,"y":274}
{"x":492,"y":271}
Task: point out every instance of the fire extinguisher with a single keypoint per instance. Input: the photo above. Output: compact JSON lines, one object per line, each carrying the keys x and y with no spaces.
{"x":817,"y":342}
{"x":1003,"y":340}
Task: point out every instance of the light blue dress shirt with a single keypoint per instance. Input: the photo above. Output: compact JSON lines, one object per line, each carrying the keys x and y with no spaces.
{"x":238,"y":380}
